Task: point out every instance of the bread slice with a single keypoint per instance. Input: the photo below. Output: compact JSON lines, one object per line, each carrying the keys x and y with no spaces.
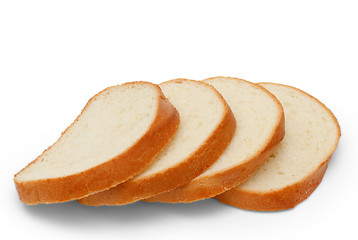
{"x":296,"y":167}
{"x":117,"y":134}
{"x":260,"y":127}
{"x":206,"y":128}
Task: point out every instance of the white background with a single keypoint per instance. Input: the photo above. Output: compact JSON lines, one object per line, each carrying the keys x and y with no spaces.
{"x":54,"y":55}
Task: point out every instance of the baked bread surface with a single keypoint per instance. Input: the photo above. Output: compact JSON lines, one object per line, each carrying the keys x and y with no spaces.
{"x":260,"y":127}
{"x":117,"y":134}
{"x":297,"y":166}
{"x":206,"y":128}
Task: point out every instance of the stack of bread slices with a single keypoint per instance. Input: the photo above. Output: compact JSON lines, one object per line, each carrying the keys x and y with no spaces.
{"x":261,"y":147}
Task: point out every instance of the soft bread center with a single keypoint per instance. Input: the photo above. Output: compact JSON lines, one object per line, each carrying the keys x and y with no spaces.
{"x":201,"y":109}
{"x":311,"y":133}
{"x":257,"y":115}
{"x":113,"y":121}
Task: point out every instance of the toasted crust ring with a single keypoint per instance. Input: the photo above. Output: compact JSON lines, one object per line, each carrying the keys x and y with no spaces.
{"x":137,"y":189}
{"x":282,"y":199}
{"x":287,"y":197}
{"x":112,"y":172}
{"x":210,"y":186}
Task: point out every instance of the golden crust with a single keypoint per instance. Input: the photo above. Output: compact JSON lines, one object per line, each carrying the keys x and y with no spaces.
{"x":210,"y":186}
{"x":281,"y":199}
{"x":137,"y":189}
{"x":284,"y":198}
{"x":112,"y":172}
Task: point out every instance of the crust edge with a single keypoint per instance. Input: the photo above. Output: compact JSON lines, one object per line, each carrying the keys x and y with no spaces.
{"x":289,"y":196}
{"x":194,"y":165}
{"x":210,"y":186}
{"x":102,"y":177}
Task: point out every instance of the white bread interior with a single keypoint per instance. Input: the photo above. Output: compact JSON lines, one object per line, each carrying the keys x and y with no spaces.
{"x":259,"y":127}
{"x":312,"y":134}
{"x":112,"y":122}
{"x":257,"y":115}
{"x":199,"y":117}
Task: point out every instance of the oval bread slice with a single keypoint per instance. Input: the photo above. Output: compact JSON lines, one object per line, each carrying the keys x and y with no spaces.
{"x":117,"y":134}
{"x":260,"y":127}
{"x":297,"y":166}
{"x":207,"y":126}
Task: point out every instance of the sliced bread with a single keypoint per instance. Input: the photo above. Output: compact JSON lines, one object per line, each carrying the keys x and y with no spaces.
{"x":117,"y":134}
{"x":260,"y":127}
{"x":296,"y":167}
{"x":207,"y":126}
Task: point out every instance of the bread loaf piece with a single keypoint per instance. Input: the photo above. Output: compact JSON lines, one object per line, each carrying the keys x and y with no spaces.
{"x":295,"y":169}
{"x":117,"y":134}
{"x":260,"y":127}
{"x":206,"y":128}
